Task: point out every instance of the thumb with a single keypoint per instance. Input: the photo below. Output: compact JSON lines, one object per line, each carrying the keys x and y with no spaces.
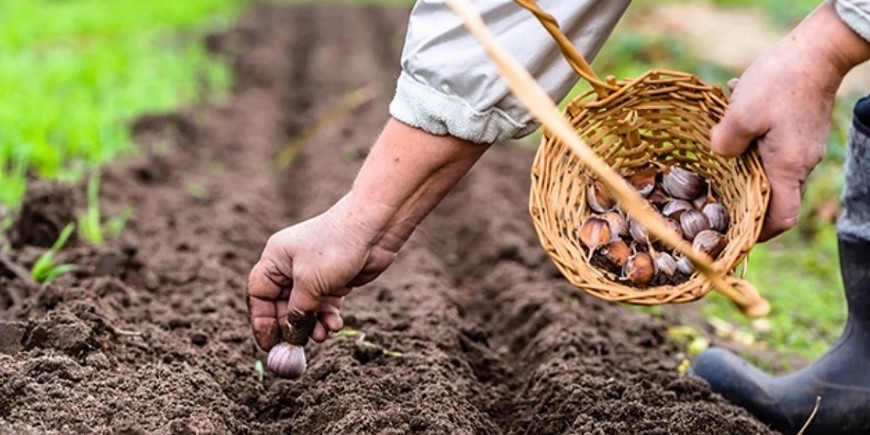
{"x":734,"y":133}
{"x":301,"y":313}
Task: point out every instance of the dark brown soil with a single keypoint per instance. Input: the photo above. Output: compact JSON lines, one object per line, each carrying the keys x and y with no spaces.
{"x":149,"y":335}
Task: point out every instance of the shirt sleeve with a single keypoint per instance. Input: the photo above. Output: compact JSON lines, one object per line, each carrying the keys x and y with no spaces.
{"x":856,"y":14}
{"x":449,"y":85}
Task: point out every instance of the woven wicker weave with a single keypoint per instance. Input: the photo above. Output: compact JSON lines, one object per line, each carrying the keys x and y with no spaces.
{"x":664,"y":117}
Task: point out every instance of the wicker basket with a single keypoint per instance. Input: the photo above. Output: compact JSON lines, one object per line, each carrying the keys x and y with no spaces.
{"x":664,"y":117}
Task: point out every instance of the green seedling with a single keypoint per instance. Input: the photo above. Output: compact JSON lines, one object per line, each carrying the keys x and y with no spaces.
{"x":196,"y":190}
{"x":361,"y":340}
{"x":45,"y":270}
{"x":91,"y":226}
{"x":260,"y":369}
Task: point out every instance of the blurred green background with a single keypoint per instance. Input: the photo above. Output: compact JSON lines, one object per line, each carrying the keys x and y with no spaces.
{"x":74,"y":73}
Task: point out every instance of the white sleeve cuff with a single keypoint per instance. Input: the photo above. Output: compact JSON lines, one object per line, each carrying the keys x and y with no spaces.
{"x":435,"y":112}
{"x":856,"y":15}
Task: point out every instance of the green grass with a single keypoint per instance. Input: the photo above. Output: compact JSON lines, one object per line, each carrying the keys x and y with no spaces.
{"x":74,"y":73}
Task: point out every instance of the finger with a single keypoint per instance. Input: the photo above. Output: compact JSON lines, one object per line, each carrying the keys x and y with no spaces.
{"x":264,"y":288}
{"x":732,"y":84}
{"x":329,"y":314}
{"x":784,"y":208}
{"x":319,"y":334}
{"x":302,"y":308}
{"x":735,"y":132}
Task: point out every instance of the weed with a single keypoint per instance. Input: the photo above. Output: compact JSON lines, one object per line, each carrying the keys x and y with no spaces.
{"x":45,"y":270}
{"x":260,"y":369}
{"x":91,"y":226}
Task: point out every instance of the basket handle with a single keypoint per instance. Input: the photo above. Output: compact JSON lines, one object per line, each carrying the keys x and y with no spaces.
{"x":539,"y":104}
{"x":575,"y":59}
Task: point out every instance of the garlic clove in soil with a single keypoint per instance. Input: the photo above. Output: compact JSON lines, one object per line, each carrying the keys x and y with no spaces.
{"x":693,"y":222}
{"x":618,"y":224}
{"x":639,"y":269}
{"x":682,"y":183}
{"x":717,"y":215}
{"x":599,"y":198}
{"x":287,"y":361}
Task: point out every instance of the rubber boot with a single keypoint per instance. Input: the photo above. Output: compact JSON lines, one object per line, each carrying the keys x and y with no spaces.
{"x":841,"y":377}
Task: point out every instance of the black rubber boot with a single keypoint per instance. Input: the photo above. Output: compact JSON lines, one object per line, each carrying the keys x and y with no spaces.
{"x":841,"y":377}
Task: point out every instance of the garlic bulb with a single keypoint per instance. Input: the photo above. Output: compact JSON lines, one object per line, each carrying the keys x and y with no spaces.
{"x":682,"y":183}
{"x":599,"y":198}
{"x":595,"y":232}
{"x":287,"y":360}
{"x":616,"y":252}
{"x":693,"y":222}
{"x":709,"y":242}
{"x":639,"y":269}
{"x":717,"y":215}
{"x":618,"y":224}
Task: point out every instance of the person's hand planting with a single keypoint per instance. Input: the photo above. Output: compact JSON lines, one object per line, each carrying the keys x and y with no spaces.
{"x":295,"y":290}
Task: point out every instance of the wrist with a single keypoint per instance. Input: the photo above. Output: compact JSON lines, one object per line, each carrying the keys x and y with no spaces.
{"x":827,"y":39}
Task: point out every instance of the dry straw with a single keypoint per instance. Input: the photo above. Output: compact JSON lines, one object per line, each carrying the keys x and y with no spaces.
{"x":662,"y":116}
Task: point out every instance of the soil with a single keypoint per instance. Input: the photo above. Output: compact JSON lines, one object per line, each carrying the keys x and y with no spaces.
{"x":472,"y":331}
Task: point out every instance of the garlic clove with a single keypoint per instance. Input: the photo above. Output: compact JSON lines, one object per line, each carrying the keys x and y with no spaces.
{"x":664,"y":263}
{"x":682,"y":183}
{"x":637,"y":231}
{"x":599,"y":198}
{"x":595,"y":232}
{"x":675,"y":207}
{"x":618,"y":224}
{"x":674,"y":226}
{"x":616,"y":252}
{"x":287,"y":360}
{"x":709,"y":242}
{"x":639,"y":269}
{"x":717,"y":215}
{"x":693,"y":222}
{"x":685,"y":266}
{"x":644,"y":181}
{"x":658,"y":197}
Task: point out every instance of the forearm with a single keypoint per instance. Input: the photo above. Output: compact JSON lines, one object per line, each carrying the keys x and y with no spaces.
{"x":407,"y":174}
{"x":825,"y":36}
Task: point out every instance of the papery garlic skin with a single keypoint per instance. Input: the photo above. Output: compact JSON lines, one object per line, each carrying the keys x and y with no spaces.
{"x":685,"y":266}
{"x":717,"y":215}
{"x":682,"y":183}
{"x":287,"y":361}
{"x":693,"y":222}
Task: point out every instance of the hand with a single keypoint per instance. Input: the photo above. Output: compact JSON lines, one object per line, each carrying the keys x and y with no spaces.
{"x":784,"y":102}
{"x":309,"y":268}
